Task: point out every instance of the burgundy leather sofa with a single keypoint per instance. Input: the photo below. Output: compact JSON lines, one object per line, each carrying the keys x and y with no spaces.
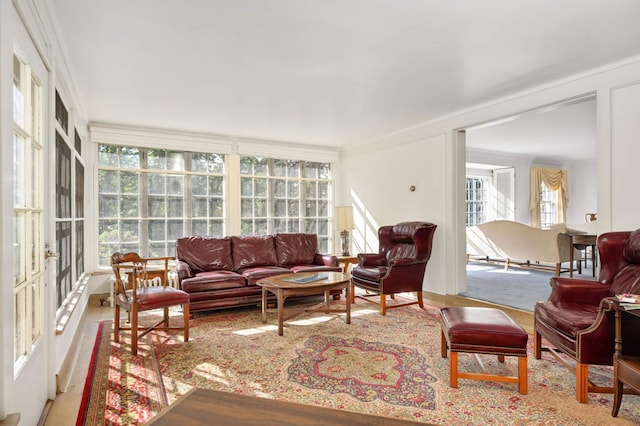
{"x":221,"y":272}
{"x":578,"y":318}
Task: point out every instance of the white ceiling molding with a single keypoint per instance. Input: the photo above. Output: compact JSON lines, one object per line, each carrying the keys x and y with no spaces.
{"x":288,"y":151}
{"x":155,"y":138}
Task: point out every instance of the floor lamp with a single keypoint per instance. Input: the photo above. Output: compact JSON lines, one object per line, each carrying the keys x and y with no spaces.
{"x":344,"y":222}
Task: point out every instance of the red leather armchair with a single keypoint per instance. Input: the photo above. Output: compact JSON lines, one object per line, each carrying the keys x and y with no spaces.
{"x":578,"y":318}
{"x":399,"y":266}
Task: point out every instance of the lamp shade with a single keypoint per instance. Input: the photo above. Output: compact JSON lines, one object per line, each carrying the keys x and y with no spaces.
{"x":344,"y":218}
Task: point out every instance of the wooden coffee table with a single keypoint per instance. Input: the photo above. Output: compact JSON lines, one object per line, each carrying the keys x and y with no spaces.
{"x":283,"y":287}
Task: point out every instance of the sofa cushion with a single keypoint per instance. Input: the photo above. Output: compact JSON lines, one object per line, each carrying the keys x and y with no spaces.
{"x":212,"y":280}
{"x":296,"y":249}
{"x":252,"y":275}
{"x":252,"y":251}
{"x":568,"y":318}
{"x":205,"y":253}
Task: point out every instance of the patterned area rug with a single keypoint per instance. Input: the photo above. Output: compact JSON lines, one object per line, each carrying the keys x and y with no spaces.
{"x":384,"y":365}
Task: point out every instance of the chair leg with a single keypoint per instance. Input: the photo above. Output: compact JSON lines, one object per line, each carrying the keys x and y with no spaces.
{"x":537,"y":345}
{"x":443,"y":344}
{"x":116,"y":324}
{"x":420,"y":299}
{"x":185,"y":312}
{"x":523,"y":375}
{"x":166,"y":316}
{"x":582,"y":382}
{"x":453,"y":369}
{"x":383,"y":304}
{"x":134,"y":330}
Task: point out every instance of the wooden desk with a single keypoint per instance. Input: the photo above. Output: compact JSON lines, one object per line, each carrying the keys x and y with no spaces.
{"x":209,"y":407}
{"x":580,"y":242}
{"x":626,"y":361}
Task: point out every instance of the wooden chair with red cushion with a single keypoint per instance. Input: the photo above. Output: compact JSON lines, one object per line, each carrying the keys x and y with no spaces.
{"x":142,"y":285}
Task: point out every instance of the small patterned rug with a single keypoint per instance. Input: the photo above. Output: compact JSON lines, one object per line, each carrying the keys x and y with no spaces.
{"x":383,"y":365}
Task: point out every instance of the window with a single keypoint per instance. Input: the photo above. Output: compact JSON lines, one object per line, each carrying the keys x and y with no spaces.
{"x":477,"y":200}
{"x":28,"y":268}
{"x":286,"y":196}
{"x":69,"y":208}
{"x":548,"y":206}
{"x":148,"y":198}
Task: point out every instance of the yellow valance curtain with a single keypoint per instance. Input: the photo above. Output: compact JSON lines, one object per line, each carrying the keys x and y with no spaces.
{"x":555,"y":180}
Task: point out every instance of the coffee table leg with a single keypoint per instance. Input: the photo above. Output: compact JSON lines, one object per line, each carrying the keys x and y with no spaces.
{"x":348,"y":303}
{"x":280,"y":312}
{"x":264,"y":304}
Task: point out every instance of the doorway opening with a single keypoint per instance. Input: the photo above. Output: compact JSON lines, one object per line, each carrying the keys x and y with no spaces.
{"x":499,"y":158}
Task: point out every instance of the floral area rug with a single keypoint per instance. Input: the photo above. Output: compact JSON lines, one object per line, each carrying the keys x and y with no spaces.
{"x":121,"y":389}
{"x":383,"y":365}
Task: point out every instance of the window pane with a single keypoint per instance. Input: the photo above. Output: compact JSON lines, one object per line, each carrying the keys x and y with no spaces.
{"x":199,"y":227}
{"x":157,"y":230}
{"x":175,"y":185}
{"x":157,"y":159}
{"x":199,"y":207}
{"x":129,"y":158}
{"x":19,"y":162}
{"x":199,"y":185}
{"x":216,"y":186}
{"x":157,"y":184}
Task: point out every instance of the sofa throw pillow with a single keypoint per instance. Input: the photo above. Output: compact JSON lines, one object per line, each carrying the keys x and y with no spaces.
{"x":296,"y":248}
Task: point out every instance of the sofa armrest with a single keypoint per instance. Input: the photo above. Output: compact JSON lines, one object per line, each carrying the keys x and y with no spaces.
{"x":573,"y":290}
{"x":326,"y":259}
{"x":183,"y":269}
{"x":372,"y":259}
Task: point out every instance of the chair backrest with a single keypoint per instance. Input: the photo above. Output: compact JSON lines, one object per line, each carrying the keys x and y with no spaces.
{"x":132,"y":271}
{"x":407,"y":240}
{"x":620,"y":261}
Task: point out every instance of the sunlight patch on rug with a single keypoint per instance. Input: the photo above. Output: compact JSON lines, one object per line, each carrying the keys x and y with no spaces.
{"x":365,"y":370}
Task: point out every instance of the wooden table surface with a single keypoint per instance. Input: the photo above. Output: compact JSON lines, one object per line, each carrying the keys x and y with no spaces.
{"x":282,"y":288}
{"x":209,"y":407}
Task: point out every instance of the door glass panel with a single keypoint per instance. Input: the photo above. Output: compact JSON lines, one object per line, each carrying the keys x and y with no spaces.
{"x":27,"y":212}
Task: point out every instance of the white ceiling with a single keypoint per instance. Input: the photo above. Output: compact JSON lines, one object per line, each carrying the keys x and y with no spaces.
{"x":551,"y":135}
{"x":327,"y":72}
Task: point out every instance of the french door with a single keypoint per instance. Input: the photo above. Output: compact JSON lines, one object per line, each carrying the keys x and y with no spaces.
{"x":33,"y":380}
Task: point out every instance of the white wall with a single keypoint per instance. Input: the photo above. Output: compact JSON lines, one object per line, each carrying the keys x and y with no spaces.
{"x":583,"y":196}
{"x":617,"y":90}
{"x":625,"y":135}
{"x":377,"y":183}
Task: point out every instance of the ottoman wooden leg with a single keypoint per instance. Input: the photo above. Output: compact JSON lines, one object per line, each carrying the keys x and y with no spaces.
{"x":453,"y":369}
{"x":443,"y":345}
{"x":523,"y":378}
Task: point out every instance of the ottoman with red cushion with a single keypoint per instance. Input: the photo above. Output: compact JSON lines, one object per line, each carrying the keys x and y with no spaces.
{"x":483,"y":331}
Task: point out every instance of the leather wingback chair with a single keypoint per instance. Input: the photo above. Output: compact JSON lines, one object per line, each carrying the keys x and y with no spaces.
{"x":399,"y":265}
{"x":578,"y":319}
